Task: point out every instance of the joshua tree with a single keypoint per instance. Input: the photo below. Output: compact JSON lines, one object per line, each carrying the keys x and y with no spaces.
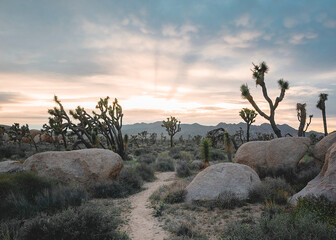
{"x":259,"y":72}
{"x":228,"y":145}
{"x":172,"y":126}
{"x":302,"y":117}
{"x":321,"y":105}
{"x":206,"y":151}
{"x":108,"y":122}
{"x":248,"y":115}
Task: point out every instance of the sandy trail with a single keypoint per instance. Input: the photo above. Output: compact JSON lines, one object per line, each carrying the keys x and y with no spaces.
{"x":142,"y":225}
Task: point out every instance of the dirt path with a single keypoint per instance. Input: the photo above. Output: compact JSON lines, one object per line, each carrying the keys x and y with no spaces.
{"x":142,"y":225}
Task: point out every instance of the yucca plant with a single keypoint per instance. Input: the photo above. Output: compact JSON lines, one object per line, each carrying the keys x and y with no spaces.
{"x":206,"y":151}
{"x":321,"y":105}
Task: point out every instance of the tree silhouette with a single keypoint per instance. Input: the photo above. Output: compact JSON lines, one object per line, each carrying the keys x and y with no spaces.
{"x":172,"y":126}
{"x":248,"y":116}
{"x":258,"y":73}
{"x":321,"y":105}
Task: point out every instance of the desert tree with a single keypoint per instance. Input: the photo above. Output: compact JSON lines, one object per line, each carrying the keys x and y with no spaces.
{"x":258,"y":74}
{"x":302,"y":118}
{"x":172,"y":126}
{"x":248,"y":115}
{"x":321,"y":105}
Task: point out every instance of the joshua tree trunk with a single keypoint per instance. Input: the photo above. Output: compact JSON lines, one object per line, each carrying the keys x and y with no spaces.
{"x":324,"y":122}
{"x":171,"y":141}
{"x":248,"y":133}
{"x":274,"y":127}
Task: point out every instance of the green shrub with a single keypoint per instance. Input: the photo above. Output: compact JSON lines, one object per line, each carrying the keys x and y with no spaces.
{"x":130,"y":182}
{"x":324,"y":209}
{"x":175,"y":153}
{"x":218,"y":155}
{"x":49,"y":200}
{"x":146,"y":158}
{"x":184,"y":230}
{"x":174,"y":193}
{"x":164,"y":165}
{"x":225,"y":200}
{"x":146,"y":172}
{"x":182,"y":169}
{"x":271,"y":189}
{"x":186,"y":156}
{"x":83,"y":223}
{"x":10,"y":230}
{"x":282,"y":226}
{"x":26,"y":183}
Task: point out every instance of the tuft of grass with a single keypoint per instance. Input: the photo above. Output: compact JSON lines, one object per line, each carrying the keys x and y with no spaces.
{"x":225,"y":200}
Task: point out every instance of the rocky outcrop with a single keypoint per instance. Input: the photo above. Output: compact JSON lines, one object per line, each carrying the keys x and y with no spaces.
{"x":222,"y":178}
{"x":322,"y":146}
{"x":280,"y":153}
{"x":10,"y":166}
{"x":81,"y":166}
{"x":325,"y":183}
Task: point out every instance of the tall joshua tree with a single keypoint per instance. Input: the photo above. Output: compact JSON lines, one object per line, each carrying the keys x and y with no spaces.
{"x":302,"y":117}
{"x":321,"y":105}
{"x":172,"y":126}
{"x":258,"y":73}
{"x":248,"y":115}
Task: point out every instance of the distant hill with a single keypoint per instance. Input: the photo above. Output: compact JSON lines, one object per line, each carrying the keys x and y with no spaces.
{"x":197,"y":129}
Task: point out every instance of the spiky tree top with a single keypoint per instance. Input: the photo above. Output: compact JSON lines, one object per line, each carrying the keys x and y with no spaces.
{"x":321,"y":102}
{"x":248,"y":115}
{"x":172,"y":125}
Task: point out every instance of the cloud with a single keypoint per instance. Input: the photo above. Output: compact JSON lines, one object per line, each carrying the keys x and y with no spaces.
{"x":290,"y":22}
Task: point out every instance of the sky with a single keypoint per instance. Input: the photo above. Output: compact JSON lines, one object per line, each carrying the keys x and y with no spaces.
{"x":166,"y":57}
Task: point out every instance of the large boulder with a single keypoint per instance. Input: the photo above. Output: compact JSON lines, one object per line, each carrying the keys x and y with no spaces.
{"x":220,"y":178}
{"x":253,"y":154}
{"x":322,"y":146}
{"x":325,"y":183}
{"x":80,"y":166}
{"x":280,"y":153}
{"x":10,"y":166}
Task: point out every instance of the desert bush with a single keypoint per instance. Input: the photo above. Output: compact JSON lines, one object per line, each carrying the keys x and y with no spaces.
{"x":186,"y":156}
{"x":82,"y":223}
{"x":142,"y":151}
{"x":164,"y":164}
{"x":184,"y":230}
{"x":108,"y":189}
{"x":174,"y":193}
{"x":282,"y":226}
{"x":218,"y":155}
{"x":9,"y":230}
{"x":146,"y":172}
{"x":130,"y":180}
{"x":196,"y":165}
{"x":146,"y":158}
{"x":182,"y":169}
{"x":225,"y":200}
{"x":17,"y":205}
{"x":298,"y":179}
{"x":175,"y":153}
{"x":324,"y":209}
{"x":271,"y":189}
{"x":157,"y":194}
{"x":6,"y":151}
{"x":26,"y":183}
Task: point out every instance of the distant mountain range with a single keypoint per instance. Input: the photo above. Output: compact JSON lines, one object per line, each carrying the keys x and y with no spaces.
{"x":197,"y":129}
